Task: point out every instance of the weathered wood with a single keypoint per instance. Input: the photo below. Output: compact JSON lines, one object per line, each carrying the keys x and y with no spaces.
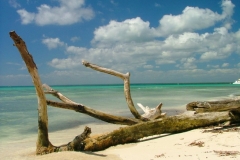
{"x":213,"y":106}
{"x":148,"y":113}
{"x":153,"y":113}
{"x":94,"y":113}
{"x":57,"y":94}
{"x":69,"y":104}
{"x":126,"y":82}
{"x":172,"y":124}
{"x":43,"y":142}
{"x":77,"y":144}
{"x":83,"y":142}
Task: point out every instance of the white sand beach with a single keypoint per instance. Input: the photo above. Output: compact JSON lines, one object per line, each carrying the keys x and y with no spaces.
{"x":192,"y":144}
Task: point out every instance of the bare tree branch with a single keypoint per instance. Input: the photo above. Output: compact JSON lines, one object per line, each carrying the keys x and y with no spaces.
{"x":69,"y":104}
{"x":126,"y":81}
{"x":57,"y":94}
{"x":94,"y":113}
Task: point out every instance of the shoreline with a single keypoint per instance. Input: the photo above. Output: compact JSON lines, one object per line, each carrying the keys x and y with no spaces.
{"x":19,"y":125}
{"x":193,"y":144}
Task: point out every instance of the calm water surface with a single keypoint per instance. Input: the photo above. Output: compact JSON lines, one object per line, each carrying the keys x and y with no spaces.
{"x":18,"y":105}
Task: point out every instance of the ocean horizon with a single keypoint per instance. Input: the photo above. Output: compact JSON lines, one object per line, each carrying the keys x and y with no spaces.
{"x":121,"y":84}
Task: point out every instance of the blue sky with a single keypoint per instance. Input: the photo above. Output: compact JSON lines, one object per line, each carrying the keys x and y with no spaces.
{"x":157,"y":41}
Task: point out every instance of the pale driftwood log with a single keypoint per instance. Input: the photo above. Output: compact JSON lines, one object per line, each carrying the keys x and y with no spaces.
{"x":43,"y":142}
{"x":126,"y":81}
{"x":153,"y":113}
{"x":213,"y":106}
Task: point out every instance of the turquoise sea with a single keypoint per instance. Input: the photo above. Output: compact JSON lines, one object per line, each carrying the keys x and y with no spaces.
{"x":18,"y":105}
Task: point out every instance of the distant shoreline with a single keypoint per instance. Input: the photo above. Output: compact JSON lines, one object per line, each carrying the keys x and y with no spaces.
{"x":133,"y":84}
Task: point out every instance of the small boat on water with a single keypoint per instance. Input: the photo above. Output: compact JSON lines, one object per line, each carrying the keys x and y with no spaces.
{"x":237,"y":81}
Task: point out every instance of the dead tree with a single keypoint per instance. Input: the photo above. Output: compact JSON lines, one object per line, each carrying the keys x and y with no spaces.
{"x":42,"y":141}
{"x":140,"y":126}
{"x":213,"y":106}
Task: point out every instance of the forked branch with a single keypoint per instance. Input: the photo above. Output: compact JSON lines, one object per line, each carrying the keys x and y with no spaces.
{"x":126,"y":81}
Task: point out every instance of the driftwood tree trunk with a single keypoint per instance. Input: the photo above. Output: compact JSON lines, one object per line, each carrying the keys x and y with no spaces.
{"x":173,"y":124}
{"x":213,"y":106}
{"x":42,"y":141}
{"x":83,"y":142}
{"x":43,"y":145}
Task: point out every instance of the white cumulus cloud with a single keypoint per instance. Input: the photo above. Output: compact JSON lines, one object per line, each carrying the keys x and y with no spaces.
{"x":52,"y":43}
{"x":133,"y":43}
{"x":192,"y":18}
{"x":76,"y":50}
{"x":137,"y":30}
{"x":65,"y":63}
{"x":228,"y":7}
{"x":26,"y":17}
{"x":209,"y":55}
{"x":68,"y":12}
{"x":129,"y":30}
